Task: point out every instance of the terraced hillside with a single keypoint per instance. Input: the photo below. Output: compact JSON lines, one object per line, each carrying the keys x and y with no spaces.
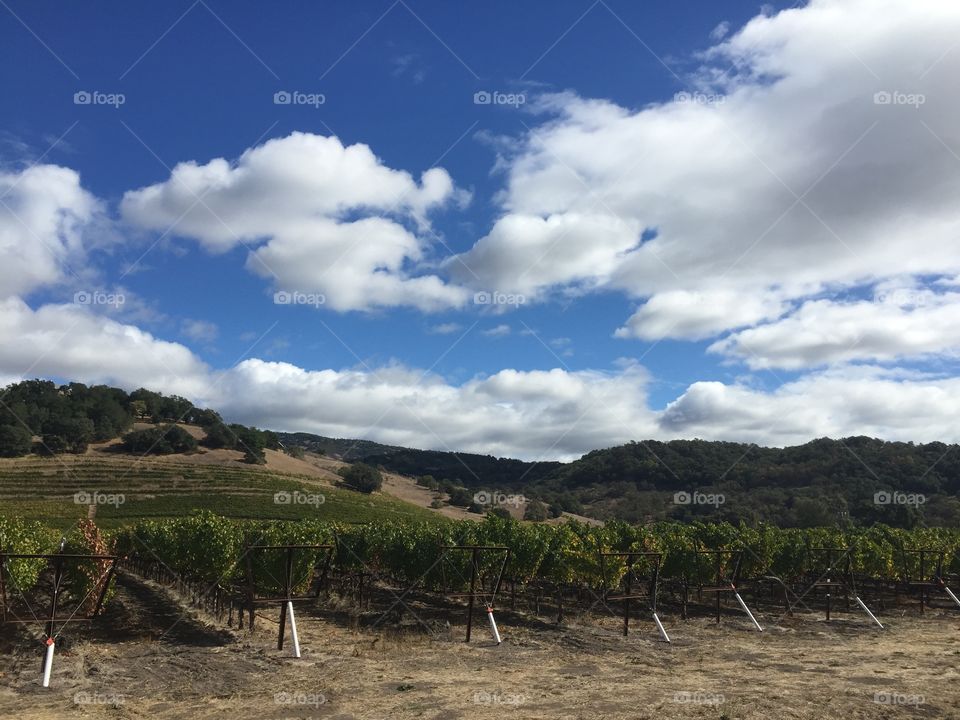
{"x":58,"y":490}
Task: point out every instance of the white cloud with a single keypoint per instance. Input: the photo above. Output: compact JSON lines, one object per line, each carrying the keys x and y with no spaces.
{"x":899,"y":323}
{"x":200,"y":330}
{"x":444,"y":328}
{"x":836,"y":403}
{"x":69,"y":341}
{"x":355,"y":266}
{"x":789,"y":182}
{"x":499,"y":331}
{"x":302,"y":194}
{"x":698,"y":315}
{"x":44,"y":213}
{"x":720,"y":31}
{"x":549,"y":414}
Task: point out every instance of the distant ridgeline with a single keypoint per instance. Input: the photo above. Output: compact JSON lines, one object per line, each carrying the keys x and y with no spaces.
{"x":824,"y":482}
{"x":39,"y":416}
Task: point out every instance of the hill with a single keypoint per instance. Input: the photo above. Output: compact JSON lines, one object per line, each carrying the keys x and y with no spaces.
{"x":47,"y":429}
{"x":861,"y":479}
{"x":340,"y":448}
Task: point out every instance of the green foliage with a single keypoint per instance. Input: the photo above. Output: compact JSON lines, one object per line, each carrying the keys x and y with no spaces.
{"x":536,"y":511}
{"x":15,"y":441}
{"x":21,"y":537}
{"x":362,"y":477}
{"x":461,"y":497}
{"x":160,"y":440}
{"x":219,"y":436}
{"x":211,"y":548}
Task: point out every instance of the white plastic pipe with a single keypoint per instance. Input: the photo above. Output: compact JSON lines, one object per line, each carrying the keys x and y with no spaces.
{"x":747,"y":611}
{"x":950,"y":593}
{"x":48,"y":663}
{"x":293,"y":630}
{"x":660,"y":628}
{"x":867,"y":611}
{"x":493,"y":625}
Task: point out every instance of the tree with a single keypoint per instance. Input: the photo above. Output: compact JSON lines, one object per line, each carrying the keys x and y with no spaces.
{"x":220,"y":436}
{"x":461,"y":497}
{"x":139,"y":408}
{"x":254,"y":456}
{"x":295,"y":451}
{"x":15,"y":440}
{"x":160,"y":440}
{"x":53,"y":445}
{"x":362,"y":477}
{"x":76,"y":432}
{"x":536,"y":511}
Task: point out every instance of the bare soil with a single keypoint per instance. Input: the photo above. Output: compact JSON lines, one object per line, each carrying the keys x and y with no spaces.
{"x":152,"y":657}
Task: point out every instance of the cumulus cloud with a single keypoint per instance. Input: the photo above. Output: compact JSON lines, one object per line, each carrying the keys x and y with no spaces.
{"x":355,"y":266}
{"x":536,"y":414}
{"x":897,"y":324}
{"x":44,"y":214}
{"x":819,"y":152}
{"x":71,"y":342}
{"x":698,"y":315}
{"x":531,"y":414}
{"x":301,"y":194}
{"x":835,"y":403}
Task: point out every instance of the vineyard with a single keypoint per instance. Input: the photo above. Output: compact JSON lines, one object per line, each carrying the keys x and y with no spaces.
{"x":207,"y":553}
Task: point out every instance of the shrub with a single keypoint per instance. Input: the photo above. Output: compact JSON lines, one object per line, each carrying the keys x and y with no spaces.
{"x":361,"y":477}
{"x":536,"y":511}
{"x":461,"y":497}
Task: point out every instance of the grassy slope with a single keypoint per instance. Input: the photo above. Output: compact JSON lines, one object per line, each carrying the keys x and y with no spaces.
{"x":44,"y":488}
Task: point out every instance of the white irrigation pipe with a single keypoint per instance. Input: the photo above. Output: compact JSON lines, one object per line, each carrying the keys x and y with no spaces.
{"x":660,"y":628}
{"x":293,"y":630}
{"x":48,"y":663}
{"x":867,"y":610}
{"x":493,"y":625}
{"x":950,"y":593}
{"x":747,"y":610}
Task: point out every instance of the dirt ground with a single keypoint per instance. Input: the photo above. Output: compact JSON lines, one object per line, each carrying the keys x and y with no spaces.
{"x":151,"y":657}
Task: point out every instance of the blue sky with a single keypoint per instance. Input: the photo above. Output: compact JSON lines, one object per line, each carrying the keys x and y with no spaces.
{"x":198,"y":81}
{"x":195,"y":89}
